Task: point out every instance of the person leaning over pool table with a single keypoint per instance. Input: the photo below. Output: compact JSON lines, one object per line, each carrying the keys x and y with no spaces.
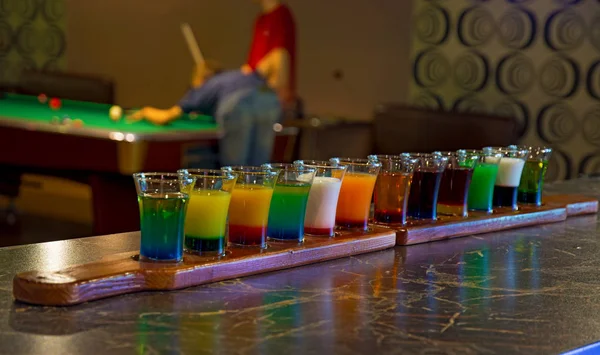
{"x":243,"y":106}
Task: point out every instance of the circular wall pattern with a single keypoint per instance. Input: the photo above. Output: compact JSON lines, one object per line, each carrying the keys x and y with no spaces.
{"x":469,"y":104}
{"x":593,"y":80}
{"x":590,"y":164}
{"x":564,"y":30}
{"x":594,"y":32}
{"x":556,"y":123}
{"x":428,"y":100}
{"x":471,"y":71}
{"x":476,"y":26}
{"x":432,"y":24}
{"x":6,"y":38}
{"x":431,"y":68}
{"x":517,"y":28}
{"x":53,"y":10}
{"x":515,"y":73}
{"x":516,"y":110}
{"x":591,"y":126}
{"x":54,"y":42}
{"x":6,"y":8}
{"x":559,"y":166}
{"x":559,"y":76}
{"x":27,"y":39}
{"x":26,"y":9}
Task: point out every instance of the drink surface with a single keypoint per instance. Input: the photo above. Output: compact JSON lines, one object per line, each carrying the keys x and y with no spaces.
{"x":505,"y":196}
{"x":390,"y":196}
{"x":287,"y":211}
{"x":321,"y":205}
{"x":481,"y":190}
{"x":162,"y":219}
{"x":206,"y":220}
{"x":509,"y":171}
{"x":249,"y":213}
{"x":424,"y":191}
{"x":532,"y":182}
{"x":454,"y":186}
{"x":355,"y":199}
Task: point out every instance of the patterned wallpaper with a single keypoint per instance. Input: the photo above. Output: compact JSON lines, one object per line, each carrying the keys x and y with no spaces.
{"x":32,"y":35}
{"x":537,"y":60}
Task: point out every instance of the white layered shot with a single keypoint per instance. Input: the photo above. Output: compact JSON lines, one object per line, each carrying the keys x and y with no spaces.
{"x":509,"y":172}
{"x":322,"y":203}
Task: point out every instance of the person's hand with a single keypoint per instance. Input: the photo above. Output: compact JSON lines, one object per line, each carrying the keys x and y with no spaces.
{"x":246,"y":69}
{"x":155,"y":115}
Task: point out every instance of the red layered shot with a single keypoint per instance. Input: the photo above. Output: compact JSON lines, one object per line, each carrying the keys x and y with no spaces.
{"x":247,"y":235}
{"x":319,"y":231}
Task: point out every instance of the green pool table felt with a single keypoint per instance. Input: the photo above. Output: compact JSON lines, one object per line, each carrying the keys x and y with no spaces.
{"x":93,"y":115}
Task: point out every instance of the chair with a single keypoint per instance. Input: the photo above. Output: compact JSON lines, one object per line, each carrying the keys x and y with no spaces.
{"x":400,"y":128}
{"x":69,"y":86}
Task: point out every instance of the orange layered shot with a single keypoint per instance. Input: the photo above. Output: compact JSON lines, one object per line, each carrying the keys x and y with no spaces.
{"x":248,"y":214}
{"x":354,"y":202}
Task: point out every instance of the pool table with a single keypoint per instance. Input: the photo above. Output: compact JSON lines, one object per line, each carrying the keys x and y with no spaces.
{"x":101,"y":153}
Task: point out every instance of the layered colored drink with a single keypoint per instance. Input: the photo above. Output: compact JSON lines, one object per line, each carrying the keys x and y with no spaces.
{"x":356,"y":192}
{"x":163,"y":201}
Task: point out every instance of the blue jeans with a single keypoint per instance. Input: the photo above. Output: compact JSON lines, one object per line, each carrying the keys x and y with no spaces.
{"x":247,"y":120}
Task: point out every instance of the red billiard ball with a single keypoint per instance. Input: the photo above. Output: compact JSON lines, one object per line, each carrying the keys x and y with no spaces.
{"x":42,"y":98}
{"x":77,"y":123}
{"x":55,"y":103}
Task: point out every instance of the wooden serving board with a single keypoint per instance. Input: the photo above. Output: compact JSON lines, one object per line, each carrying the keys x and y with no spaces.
{"x":123,"y":273}
{"x":556,"y":208}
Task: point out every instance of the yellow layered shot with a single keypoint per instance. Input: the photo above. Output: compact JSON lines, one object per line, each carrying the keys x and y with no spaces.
{"x":207,"y":214}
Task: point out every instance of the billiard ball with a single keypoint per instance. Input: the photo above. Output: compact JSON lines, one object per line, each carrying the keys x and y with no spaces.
{"x":77,"y":122}
{"x":42,"y":98}
{"x":55,"y":103}
{"x":66,"y":120}
{"x":55,"y":120}
{"x":115,"y":113}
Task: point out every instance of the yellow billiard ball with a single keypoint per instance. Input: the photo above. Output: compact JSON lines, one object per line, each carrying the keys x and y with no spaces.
{"x":115,"y":113}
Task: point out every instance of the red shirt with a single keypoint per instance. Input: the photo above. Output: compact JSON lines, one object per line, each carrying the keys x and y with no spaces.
{"x":273,"y":30}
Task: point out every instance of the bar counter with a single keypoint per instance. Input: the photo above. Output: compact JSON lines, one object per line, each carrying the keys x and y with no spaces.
{"x":534,"y":290}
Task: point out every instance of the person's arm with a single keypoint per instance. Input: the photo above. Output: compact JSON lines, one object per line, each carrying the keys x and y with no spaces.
{"x":156,"y":115}
{"x":201,"y":99}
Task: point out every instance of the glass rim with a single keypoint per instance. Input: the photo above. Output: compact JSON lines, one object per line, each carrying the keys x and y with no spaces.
{"x":290,"y":167}
{"x":320,"y":164}
{"x":538,"y":148}
{"x":268,"y":173}
{"x":211,"y":173}
{"x":366,"y":162}
{"x":160,"y":176}
{"x":508,"y":149}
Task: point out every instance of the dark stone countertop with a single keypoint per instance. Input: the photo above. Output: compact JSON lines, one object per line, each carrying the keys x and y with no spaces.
{"x":533,"y":291}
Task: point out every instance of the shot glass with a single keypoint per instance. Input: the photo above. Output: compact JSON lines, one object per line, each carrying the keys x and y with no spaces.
{"x":392,"y":188}
{"x":288,"y":205}
{"x":249,"y":206}
{"x":425,"y":186}
{"x":163,"y":201}
{"x":481,"y":190}
{"x":454,"y":188}
{"x":532,"y":180}
{"x":509,"y":175}
{"x":354,"y":202}
{"x":323,"y":197}
{"x":206,"y":218}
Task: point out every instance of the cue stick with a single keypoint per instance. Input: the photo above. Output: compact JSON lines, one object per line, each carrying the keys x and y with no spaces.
{"x":192,"y":44}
